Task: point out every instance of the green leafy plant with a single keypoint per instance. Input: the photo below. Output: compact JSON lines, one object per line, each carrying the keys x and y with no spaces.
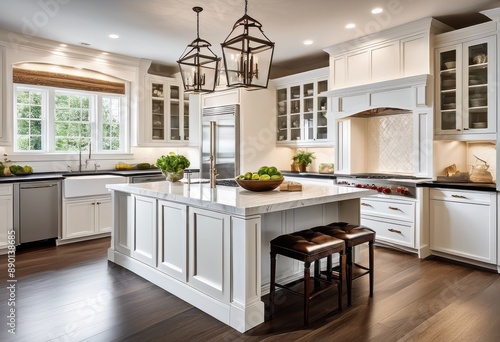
{"x":303,"y":157}
{"x":172,"y":162}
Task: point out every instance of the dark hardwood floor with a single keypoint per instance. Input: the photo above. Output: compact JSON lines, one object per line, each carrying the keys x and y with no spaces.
{"x":72,"y":293}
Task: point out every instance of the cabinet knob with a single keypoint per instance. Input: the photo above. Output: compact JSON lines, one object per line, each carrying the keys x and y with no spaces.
{"x":98,"y":203}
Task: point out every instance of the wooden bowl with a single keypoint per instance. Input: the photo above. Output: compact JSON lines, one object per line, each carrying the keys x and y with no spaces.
{"x":259,"y":185}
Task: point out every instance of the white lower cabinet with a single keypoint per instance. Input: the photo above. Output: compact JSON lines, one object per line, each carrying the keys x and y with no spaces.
{"x":86,"y":216}
{"x":144,"y":237}
{"x":463,"y":223}
{"x":209,"y":253}
{"x":6,"y":214}
{"x":393,"y":220}
{"x":172,"y":239}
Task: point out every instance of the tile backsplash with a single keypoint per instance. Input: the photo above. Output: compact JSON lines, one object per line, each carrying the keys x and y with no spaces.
{"x":390,"y":143}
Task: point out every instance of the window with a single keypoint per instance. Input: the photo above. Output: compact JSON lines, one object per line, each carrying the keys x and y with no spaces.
{"x":59,"y":120}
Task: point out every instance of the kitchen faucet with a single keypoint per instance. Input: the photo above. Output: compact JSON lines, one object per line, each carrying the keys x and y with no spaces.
{"x":89,"y":147}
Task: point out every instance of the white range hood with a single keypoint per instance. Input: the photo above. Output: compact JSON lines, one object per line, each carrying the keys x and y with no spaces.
{"x":406,"y":93}
{"x":348,"y":106}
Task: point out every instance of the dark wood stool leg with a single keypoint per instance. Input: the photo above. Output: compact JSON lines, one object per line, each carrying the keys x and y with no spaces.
{"x":272,"y":284}
{"x":342,"y":273}
{"x":329,"y":267}
{"x":371,"y":263}
{"x":307,"y":291}
{"x":317,"y":268}
{"x":349,"y":275}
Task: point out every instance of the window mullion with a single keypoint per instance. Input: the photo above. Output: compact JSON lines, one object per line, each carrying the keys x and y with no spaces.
{"x":49,"y":118}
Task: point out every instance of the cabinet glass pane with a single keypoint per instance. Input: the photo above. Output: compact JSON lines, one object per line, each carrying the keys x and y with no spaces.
{"x":282,"y":110}
{"x":478,"y":86}
{"x":295,"y":127}
{"x":308,"y":89}
{"x":322,"y":86}
{"x":158,"y":131}
{"x":448,"y":120}
{"x":308,"y":126}
{"x":175,"y":112}
{"x":186,"y":117}
{"x":308,"y":105}
{"x":448,"y":83}
{"x":157,"y":90}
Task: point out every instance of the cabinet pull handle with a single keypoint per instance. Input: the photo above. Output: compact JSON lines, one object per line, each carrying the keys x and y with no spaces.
{"x":98,"y":203}
{"x":458,"y":196}
{"x":366,"y":204}
{"x":458,"y":129}
{"x":394,"y":230}
{"x":394,"y":208}
{"x":93,"y":203}
{"x":466,"y":129}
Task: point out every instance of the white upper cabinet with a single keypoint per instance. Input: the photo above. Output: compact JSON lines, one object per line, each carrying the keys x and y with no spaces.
{"x":302,"y":109}
{"x":466,"y":89}
{"x":389,"y":54}
{"x":166,"y":112}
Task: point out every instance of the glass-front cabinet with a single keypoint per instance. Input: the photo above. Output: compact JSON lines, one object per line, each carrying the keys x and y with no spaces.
{"x":167,"y":111}
{"x":302,"y":113}
{"x":466,"y":82}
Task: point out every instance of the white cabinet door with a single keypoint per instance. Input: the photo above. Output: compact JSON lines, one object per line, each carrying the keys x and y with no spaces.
{"x":144,"y":238}
{"x":104,"y":214}
{"x":124,"y":220}
{"x":172,"y":239}
{"x":209,"y":253}
{"x":79,"y":218}
{"x":6,"y":213}
{"x":463,"y":224}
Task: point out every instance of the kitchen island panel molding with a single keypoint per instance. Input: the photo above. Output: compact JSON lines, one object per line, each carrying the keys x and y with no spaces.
{"x":229,"y":230}
{"x":172,"y":239}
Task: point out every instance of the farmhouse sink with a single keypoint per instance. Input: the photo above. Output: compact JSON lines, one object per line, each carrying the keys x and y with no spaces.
{"x":89,"y":185}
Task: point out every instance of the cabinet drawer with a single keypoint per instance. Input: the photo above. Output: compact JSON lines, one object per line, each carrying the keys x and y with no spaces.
{"x":479,"y":197}
{"x":389,"y":209}
{"x":6,"y":190}
{"x":390,"y":231}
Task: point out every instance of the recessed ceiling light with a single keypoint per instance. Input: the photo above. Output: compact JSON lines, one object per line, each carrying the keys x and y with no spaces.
{"x":377,"y":10}
{"x":63,"y":45}
{"x":308,"y":42}
{"x":84,"y":44}
{"x":350,"y":26}
{"x":113,"y":36}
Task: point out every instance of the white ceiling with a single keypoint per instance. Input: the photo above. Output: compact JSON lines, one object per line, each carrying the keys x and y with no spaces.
{"x":160,"y":29}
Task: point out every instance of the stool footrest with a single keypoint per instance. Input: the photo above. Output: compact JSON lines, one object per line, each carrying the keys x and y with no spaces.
{"x":288,"y":286}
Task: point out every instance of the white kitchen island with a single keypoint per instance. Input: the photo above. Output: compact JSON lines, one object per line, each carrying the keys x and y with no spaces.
{"x":210,"y":247}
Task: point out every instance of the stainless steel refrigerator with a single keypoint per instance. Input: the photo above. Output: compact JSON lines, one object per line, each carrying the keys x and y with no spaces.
{"x":227,"y":144}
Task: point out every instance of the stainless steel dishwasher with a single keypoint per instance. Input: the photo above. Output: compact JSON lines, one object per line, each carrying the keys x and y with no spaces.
{"x":37,"y":210}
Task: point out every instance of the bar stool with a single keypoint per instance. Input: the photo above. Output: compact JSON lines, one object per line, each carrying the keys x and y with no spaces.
{"x":308,"y":246}
{"x":354,"y":235}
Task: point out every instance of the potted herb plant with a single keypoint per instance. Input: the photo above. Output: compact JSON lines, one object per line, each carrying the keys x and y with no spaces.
{"x":172,"y":166}
{"x":301,"y":160}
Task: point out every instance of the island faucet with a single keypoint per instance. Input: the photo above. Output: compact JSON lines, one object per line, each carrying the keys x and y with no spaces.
{"x":213,"y":154}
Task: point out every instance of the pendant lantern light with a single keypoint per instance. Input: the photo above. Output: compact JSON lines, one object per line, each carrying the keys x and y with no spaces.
{"x":247,"y":54}
{"x":199,"y":66}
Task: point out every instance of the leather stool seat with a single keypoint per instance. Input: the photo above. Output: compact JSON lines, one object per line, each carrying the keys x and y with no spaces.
{"x":309,"y":245}
{"x":353,"y":235}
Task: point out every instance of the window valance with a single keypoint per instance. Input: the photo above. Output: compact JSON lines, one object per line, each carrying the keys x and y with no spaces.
{"x":67,"y":81}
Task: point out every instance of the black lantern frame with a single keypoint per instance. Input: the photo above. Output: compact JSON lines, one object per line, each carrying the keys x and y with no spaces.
{"x":198,"y":65}
{"x":247,"y":54}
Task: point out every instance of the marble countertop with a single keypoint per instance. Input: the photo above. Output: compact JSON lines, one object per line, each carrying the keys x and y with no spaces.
{"x":41,"y":176}
{"x":238,"y":201}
